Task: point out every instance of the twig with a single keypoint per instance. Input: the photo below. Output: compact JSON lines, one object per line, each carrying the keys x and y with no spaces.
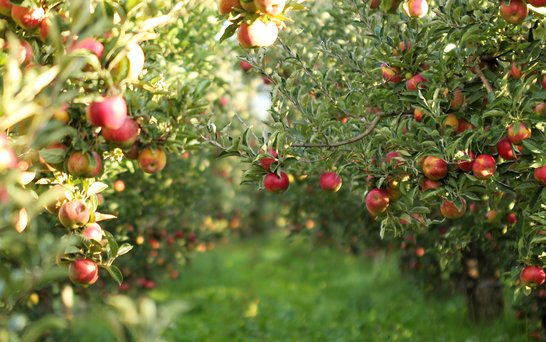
{"x":484,"y":80}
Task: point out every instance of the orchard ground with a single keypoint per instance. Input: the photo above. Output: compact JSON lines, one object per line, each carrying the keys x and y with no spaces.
{"x":270,"y":289}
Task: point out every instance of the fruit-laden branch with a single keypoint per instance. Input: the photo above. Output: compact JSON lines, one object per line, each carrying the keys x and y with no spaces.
{"x":359,"y":137}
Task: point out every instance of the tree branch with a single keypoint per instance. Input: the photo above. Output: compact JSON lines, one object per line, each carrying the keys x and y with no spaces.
{"x":359,"y":137}
{"x":484,"y":80}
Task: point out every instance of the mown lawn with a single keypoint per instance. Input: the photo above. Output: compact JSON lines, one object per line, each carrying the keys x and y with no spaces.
{"x":269,"y":289}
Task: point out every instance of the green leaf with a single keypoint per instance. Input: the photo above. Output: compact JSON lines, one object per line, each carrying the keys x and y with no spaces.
{"x":115,"y":273}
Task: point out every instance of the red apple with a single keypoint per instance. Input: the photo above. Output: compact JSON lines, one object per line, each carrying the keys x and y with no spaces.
{"x":90,"y":44}
{"x":152,"y":160}
{"x":466,"y":165}
{"x":452,"y":210}
{"x":245,"y":66}
{"x":511,"y":218}
{"x":125,"y":136}
{"x":463,"y":125}
{"x":27,"y":17}
{"x":515,"y":71}
{"x":518,"y":132}
{"x":74,"y":214}
{"x":540,"y":108}
{"x":533,"y":275}
{"x":491,"y":216}
{"x":391,"y":74}
{"x":86,"y":165}
{"x":537,"y":3}
{"x":93,"y":231}
{"x":226,"y":6}
{"x":428,"y":184}
{"x":330,"y":181}
{"x":270,"y":7}
{"x":417,"y":8}
{"x":540,"y":175}
{"x":257,"y":34}
{"x":8,"y":159}
{"x":513,"y":11}
{"x":418,"y":114}
{"x":266,"y":162}
{"x":132,"y":152}
{"x":484,"y":167}
{"x":505,"y":149}
{"x":458,"y":99}
{"x":434,"y":168}
{"x":83,"y":272}
{"x":377,"y":201}
{"x":5,"y":8}
{"x":275,"y":183}
{"x":44,"y":29}
{"x":414,"y":83}
{"x":108,"y":112}
{"x":375,"y":4}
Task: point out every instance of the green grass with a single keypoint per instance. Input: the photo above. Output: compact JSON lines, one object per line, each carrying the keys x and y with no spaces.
{"x":269,"y":289}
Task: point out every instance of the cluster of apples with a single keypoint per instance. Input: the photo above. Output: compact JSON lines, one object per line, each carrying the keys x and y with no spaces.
{"x":393,"y":74}
{"x":262,"y":31}
{"x":515,"y":11}
{"x":412,"y":8}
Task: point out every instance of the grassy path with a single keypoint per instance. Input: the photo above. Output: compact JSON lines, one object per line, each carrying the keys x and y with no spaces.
{"x":268,"y":289}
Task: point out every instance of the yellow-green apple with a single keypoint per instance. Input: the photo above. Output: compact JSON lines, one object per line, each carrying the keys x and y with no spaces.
{"x":131,"y":65}
{"x":453,"y":210}
{"x":452,"y":121}
{"x":533,"y":275}
{"x":270,"y":7}
{"x":257,"y":34}
{"x":434,"y":168}
{"x":506,"y":149}
{"x":484,"y":166}
{"x":377,"y":201}
{"x":74,"y":214}
{"x":125,"y":136}
{"x":540,"y":175}
{"x":83,"y":272}
{"x":86,"y":165}
{"x":391,"y":74}
{"x":275,"y":183}
{"x":226,"y":6}
{"x":93,"y":231}
{"x":27,"y":17}
{"x":513,"y":11}
{"x":518,"y":132}
{"x":152,"y":160}
{"x":108,"y":112}
{"x":330,"y":181}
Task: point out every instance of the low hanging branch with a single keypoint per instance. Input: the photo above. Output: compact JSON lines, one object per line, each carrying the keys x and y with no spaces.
{"x":359,"y":137}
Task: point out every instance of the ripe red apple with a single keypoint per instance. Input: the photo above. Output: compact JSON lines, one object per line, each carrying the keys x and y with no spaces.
{"x":434,"y":168}
{"x":391,"y":74}
{"x":93,"y":231}
{"x":518,"y":132}
{"x":417,"y":8}
{"x":377,"y":201}
{"x":226,"y":6}
{"x":452,"y":210}
{"x":463,"y":126}
{"x":466,"y":165}
{"x":270,"y":7}
{"x":86,"y":165}
{"x":5,"y":8}
{"x":511,"y":218}
{"x":266,"y":162}
{"x":395,"y":158}
{"x":74,"y":214}
{"x":275,"y":183}
{"x":532,"y":275}
{"x":330,"y":181}
{"x":484,"y":166}
{"x":245,"y":66}
{"x":375,"y":4}
{"x":8,"y":159}
{"x":540,"y":108}
{"x":505,"y":149}
{"x":458,"y":99}
{"x":514,"y":11}
{"x":418,"y":114}
{"x":257,"y":34}
{"x":428,"y":184}
{"x":44,"y":29}
{"x":27,"y":17}
{"x":537,"y":3}
{"x":90,"y":44}
{"x":414,"y":83}
{"x":491,"y":216}
{"x":152,"y":160}
{"x":83,"y":272}
{"x":540,"y":175}
{"x":125,"y":136}
{"x":515,"y":71}
{"x":108,"y":112}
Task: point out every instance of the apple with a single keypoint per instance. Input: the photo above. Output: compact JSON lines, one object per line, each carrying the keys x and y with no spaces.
{"x":420,"y":251}
{"x":428,"y":184}
{"x":434,"y":168}
{"x":393,"y":190}
{"x":513,"y":11}
{"x":413,"y":83}
{"x":132,"y":152}
{"x":8,"y":159}
{"x":152,"y":160}
{"x":458,"y":99}
{"x":249,"y":6}
{"x":226,"y":6}
{"x":90,"y":44}
{"x":131,"y":65}
{"x":518,"y":132}
{"x":270,"y":7}
{"x":61,"y":114}
{"x":505,"y":149}
{"x":540,"y":175}
{"x":452,"y":121}
{"x":374,"y":4}
{"x":257,"y":34}
{"x":511,"y":218}
{"x":24,"y":55}
{"x":119,"y":185}
{"x":451,"y":210}
{"x":377,"y":201}
{"x":537,"y":3}
{"x":5,"y":8}
{"x":276,"y":184}
{"x":417,"y":8}
{"x":330,"y":181}
{"x":266,"y":162}
{"x":93,"y":231}
{"x":125,"y":136}
{"x":532,"y":275}
{"x":515,"y":71}
{"x":491,"y":216}
{"x":391,"y":74}
{"x":108,"y":112}
{"x":418,"y":114}
{"x":83,"y":272}
{"x":44,"y":29}
{"x":484,"y":166}
{"x":245,"y":66}
{"x":86,"y":165}
{"x":540,"y":108}
{"x":27,"y":17}
{"x":466,"y":165}
{"x":463,"y":126}
{"x":74,"y":214}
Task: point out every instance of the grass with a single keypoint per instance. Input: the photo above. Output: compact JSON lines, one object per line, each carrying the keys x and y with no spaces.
{"x":269,"y":289}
